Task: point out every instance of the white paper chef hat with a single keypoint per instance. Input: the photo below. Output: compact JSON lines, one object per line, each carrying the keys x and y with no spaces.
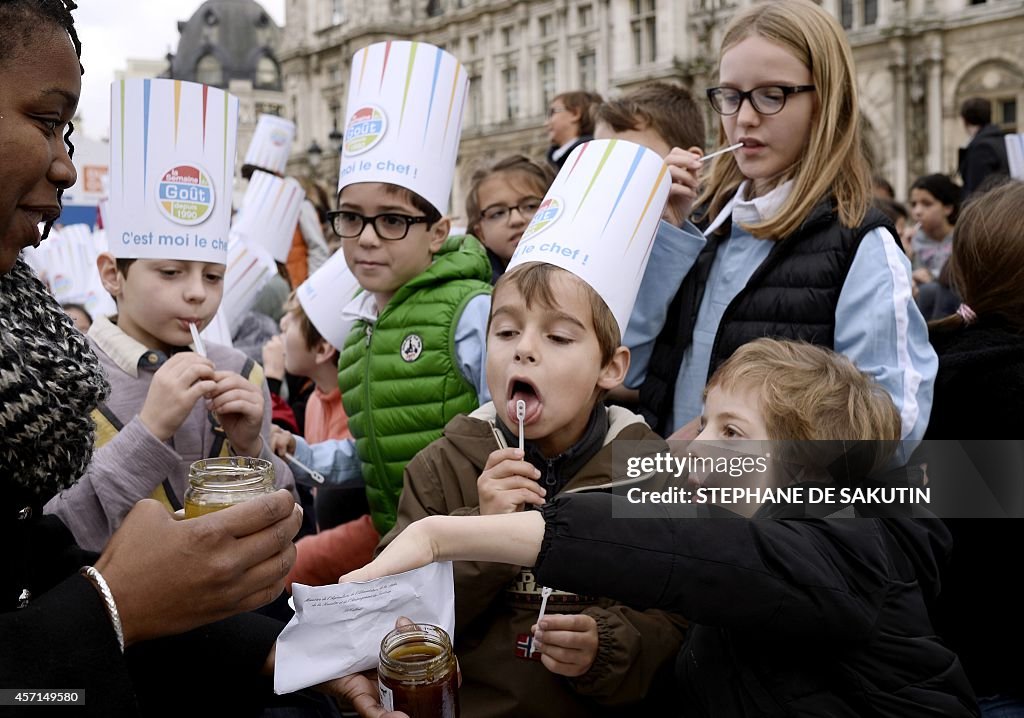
{"x":271,"y":144}
{"x":249,"y":268}
{"x":269,"y":213}
{"x":404,"y":113}
{"x":327,"y":291}
{"x":599,"y":219}
{"x":172,"y":159}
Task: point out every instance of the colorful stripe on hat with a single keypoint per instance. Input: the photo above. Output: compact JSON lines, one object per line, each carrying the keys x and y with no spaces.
{"x":145,"y":135}
{"x":384,"y":67}
{"x":433,"y":87}
{"x":600,"y":166}
{"x":206,"y":91}
{"x":451,"y":103}
{"x":583,"y":149}
{"x":362,"y":69}
{"x":647,"y":206}
{"x":177,"y":108}
{"x":629,"y":175}
{"x":122,"y":138}
{"x":408,"y":79}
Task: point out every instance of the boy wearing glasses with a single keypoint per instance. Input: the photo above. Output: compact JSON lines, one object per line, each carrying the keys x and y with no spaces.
{"x":414,"y":358}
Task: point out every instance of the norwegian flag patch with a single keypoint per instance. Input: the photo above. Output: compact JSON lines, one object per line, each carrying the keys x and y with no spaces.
{"x":524,"y":641}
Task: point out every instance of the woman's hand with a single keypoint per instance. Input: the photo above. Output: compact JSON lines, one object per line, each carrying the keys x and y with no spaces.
{"x":168,"y":576}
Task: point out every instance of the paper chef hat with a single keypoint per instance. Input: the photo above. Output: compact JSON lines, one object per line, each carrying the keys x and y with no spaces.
{"x":249,"y":268}
{"x":599,"y":219}
{"x":271,"y":144}
{"x":172,"y":161}
{"x":404,"y":114}
{"x":325,"y":294}
{"x":66,"y":262}
{"x":269,"y":213}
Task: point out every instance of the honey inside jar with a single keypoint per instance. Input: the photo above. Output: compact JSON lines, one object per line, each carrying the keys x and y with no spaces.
{"x":218,"y":483}
{"x":418,"y":674}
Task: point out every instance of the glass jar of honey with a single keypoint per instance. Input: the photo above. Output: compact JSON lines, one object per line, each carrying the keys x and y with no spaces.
{"x":215,"y":484}
{"x":417,"y":673}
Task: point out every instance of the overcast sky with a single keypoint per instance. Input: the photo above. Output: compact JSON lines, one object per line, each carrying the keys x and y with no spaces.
{"x":112,"y":31}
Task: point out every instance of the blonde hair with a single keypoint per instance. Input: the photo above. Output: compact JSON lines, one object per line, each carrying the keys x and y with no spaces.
{"x":834,"y":160}
{"x":809,"y":393}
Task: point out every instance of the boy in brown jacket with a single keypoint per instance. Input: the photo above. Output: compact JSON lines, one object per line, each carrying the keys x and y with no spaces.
{"x":555,"y":345}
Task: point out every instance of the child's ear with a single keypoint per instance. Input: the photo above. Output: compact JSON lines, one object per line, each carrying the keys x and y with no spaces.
{"x":614,"y":372}
{"x":439,"y":233}
{"x":109,"y":276}
{"x":324,"y":352}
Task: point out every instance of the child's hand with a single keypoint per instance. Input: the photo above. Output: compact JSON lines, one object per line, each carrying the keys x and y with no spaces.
{"x":281,"y":441}
{"x":508,"y":483}
{"x":174,"y":391}
{"x":922,"y":276}
{"x":684,"y":170}
{"x":238,"y":404}
{"x":567,"y":643}
{"x":273,"y":358}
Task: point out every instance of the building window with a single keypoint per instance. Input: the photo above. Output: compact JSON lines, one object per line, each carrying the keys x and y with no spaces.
{"x":644,"y":26}
{"x":209,"y":71}
{"x":585,"y":16}
{"x":1005,"y":114}
{"x":870,"y":12}
{"x":588,"y":70}
{"x":544,"y":25}
{"x":434,"y":8}
{"x":337,"y":12}
{"x":268,"y":76}
{"x":475,"y":102}
{"x":510,"y":75}
{"x":548,"y":86}
{"x":846,"y":14}
{"x":472,"y":46}
{"x":508,"y":36}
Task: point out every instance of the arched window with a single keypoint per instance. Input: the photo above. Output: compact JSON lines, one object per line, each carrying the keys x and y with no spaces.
{"x":268,"y":76}
{"x":209,"y":71}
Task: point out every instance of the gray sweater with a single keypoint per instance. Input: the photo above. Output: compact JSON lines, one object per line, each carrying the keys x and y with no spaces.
{"x":132,"y":464}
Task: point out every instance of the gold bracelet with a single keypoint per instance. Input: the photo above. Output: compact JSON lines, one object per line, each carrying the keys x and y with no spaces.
{"x":100,"y":584}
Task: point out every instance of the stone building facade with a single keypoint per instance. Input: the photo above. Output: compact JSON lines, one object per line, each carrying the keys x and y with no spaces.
{"x":916,"y":61}
{"x":234,"y":45}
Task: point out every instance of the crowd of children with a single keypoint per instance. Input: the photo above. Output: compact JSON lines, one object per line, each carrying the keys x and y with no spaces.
{"x":429,"y":395}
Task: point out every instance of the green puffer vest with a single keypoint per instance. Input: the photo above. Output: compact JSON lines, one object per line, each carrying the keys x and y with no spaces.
{"x":400,"y":379}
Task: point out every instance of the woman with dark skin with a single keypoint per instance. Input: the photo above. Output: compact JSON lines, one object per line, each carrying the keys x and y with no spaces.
{"x":121,"y":626}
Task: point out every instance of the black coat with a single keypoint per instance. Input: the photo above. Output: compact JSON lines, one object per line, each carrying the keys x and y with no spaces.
{"x":557,"y":164}
{"x":63,"y":638}
{"x":979,"y":397}
{"x":810,"y":617}
{"x":983,"y":157}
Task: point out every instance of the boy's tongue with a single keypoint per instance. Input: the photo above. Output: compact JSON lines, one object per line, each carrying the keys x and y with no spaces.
{"x":533,"y":407}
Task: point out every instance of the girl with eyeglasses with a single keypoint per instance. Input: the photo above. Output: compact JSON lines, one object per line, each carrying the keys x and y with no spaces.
{"x":502,"y":200}
{"x":787,"y":245}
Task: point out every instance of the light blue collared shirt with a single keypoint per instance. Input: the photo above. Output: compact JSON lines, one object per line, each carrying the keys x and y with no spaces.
{"x":878,"y":325}
{"x":336,"y":459}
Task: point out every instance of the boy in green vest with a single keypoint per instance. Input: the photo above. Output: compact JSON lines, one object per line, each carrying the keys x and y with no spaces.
{"x":414,"y":358}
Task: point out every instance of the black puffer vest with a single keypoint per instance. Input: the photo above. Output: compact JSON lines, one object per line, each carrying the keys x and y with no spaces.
{"x":792,"y":295}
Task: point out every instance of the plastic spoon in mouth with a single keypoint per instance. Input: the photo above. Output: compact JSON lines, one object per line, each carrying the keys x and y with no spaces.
{"x":722,"y":151}
{"x":521,"y":416}
{"x":313,"y":473}
{"x":197,"y":340}
{"x":544,"y":593}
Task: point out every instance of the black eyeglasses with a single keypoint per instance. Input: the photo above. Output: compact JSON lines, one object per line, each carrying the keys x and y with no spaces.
{"x":497,"y":213}
{"x":768,"y":100}
{"x":349,"y":225}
